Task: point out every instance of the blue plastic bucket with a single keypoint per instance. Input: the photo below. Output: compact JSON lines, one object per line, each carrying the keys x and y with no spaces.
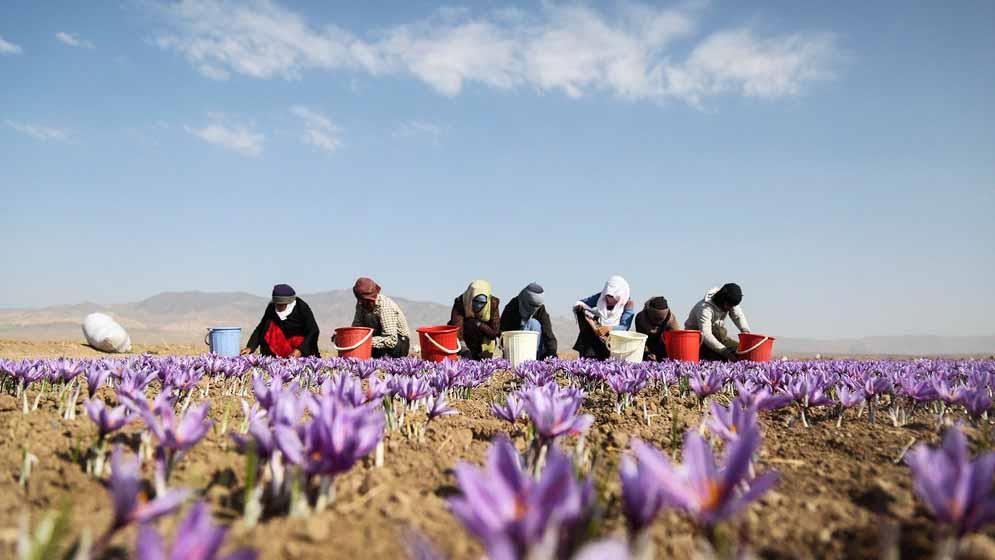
{"x":224,"y":341}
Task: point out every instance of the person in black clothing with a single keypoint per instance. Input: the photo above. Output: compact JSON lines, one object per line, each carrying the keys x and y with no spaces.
{"x":526,"y":312}
{"x":655,"y":319}
{"x":477,"y":313}
{"x":287,"y":329}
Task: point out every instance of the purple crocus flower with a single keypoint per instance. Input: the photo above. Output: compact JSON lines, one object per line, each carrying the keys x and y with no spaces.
{"x":975,"y":400}
{"x":197,"y":538}
{"x":411,"y":388}
{"x":95,"y":377}
{"x":955,"y":489}
{"x":732,"y":422}
{"x":178,"y":435}
{"x":127,"y":496}
{"x":437,"y":406}
{"x":639,"y":505}
{"x":260,"y":435}
{"x":511,"y":411}
{"x":332,"y":442}
{"x":107,"y":419}
{"x":706,"y":382}
{"x":553,"y":411}
{"x":509,"y":511}
{"x":706,"y":491}
{"x":849,"y":397}
{"x":760,"y":398}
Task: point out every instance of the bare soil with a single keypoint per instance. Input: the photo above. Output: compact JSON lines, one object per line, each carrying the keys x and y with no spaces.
{"x":842,"y":492}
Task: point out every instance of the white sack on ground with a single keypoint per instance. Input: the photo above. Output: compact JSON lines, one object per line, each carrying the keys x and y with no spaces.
{"x":103,"y":333}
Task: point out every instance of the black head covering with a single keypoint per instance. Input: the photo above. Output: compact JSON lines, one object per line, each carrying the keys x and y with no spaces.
{"x":729,"y":294}
{"x":658,"y":302}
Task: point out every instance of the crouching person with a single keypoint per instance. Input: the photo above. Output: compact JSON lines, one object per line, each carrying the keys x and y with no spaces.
{"x":287,"y":329}
{"x":391,"y":337}
{"x":655,"y":319}
{"x":709,"y":317}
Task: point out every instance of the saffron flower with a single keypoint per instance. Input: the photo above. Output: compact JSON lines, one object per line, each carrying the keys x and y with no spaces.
{"x":955,"y":489}
{"x":130,"y":505}
{"x":107,"y":419}
{"x":511,"y":411}
{"x":553,"y":411}
{"x":197,"y":538}
{"x":708,"y":492}
{"x":512,"y":514}
{"x":437,"y":406}
{"x":730,"y":423}
{"x":178,"y":435}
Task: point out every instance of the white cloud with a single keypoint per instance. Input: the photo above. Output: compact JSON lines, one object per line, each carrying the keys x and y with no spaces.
{"x":320,"y":131}
{"x":39,"y":132}
{"x":73,"y":40}
{"x":6,"y":47}
{"x":415,"y":127}
{"x":633,"y":51}
{"x":235,"y":137}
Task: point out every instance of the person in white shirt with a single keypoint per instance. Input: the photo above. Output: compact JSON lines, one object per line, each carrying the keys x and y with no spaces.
{"x":709,"y":317}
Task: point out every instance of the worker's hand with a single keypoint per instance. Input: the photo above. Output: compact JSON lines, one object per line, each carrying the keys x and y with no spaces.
{"x":603,"y":330}
{"x":730,"y":354}
{"x":295,"y":354}
{"x":245,"y":351}
{"x":333,"y":339}
{"x":651,"y":358}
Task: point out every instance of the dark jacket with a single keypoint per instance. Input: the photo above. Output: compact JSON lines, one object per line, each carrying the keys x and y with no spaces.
{"x":473,"y":333}
{"x":511,"y":320}
{"x":300,"y":322}
{"x":654,"y":336}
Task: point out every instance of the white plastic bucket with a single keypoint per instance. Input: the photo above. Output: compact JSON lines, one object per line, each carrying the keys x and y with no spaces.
{"x":520,"y":346}
{"x":627,"y":346}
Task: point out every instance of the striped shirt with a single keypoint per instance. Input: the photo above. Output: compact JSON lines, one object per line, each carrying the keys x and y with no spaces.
{"x":388,"y":317}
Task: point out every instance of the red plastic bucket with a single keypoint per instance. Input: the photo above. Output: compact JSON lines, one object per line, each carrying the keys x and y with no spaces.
{"x":354,"y":342}
{"x":682,"y":345}
{"x":439,"y":343}
{"x":755,"y":347}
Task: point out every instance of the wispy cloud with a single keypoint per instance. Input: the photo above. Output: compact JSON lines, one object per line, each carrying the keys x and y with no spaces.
{"x":320,"y":131}
{"x":632,"y":51}
{"x":236,"y":137}
{"x":73,"y":40}
{"x":6,"y":47}
{"x":39,"y":132}
{"x":415,"y":127}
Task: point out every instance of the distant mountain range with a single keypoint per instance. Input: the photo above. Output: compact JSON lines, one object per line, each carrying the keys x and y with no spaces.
{"x":183,"y":318}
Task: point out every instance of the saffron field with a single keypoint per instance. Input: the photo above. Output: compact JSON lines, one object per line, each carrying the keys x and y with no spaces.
{"x":210,"y":457}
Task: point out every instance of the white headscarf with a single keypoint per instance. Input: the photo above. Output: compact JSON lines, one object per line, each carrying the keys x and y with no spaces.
{"x":286,"y":312}
{"x":617,"y":287}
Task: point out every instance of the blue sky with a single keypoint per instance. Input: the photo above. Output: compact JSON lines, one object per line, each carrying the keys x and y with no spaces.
{"x":836,"y":160}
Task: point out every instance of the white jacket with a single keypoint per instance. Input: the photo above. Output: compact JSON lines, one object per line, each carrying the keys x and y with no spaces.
{"x":707,"y":317}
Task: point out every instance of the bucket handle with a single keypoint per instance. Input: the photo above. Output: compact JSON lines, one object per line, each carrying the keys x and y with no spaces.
{"x":207,"y":337}
{"x":754,"y":347}
{"x":443,"y":348}
{"x":353,"y":347}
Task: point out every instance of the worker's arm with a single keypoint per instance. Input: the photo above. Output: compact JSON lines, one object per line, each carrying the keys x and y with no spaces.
{"x":492,"y":328}
{"x":311,"y":334}
{"x":705,"y":317}
{"x":456,"y":316}
{"x":390,"y":329}
{"x":625,"y":323}
{"x":739,"y":319}
{"x":258,"y":333}
{"x":548,"y":337}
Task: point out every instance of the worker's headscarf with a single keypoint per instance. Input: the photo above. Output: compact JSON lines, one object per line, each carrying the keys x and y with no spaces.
{"x":283,"y":293}
{"x":366,"y":288}
{"x":729,"y":294}
{"x":479,"y":290}
{"x":530,"y":300}
{"x":656,"y":311}
{"x":617,"y":287}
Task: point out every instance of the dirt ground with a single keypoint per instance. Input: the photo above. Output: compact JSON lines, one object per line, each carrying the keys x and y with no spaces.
{"x":842,"y":492}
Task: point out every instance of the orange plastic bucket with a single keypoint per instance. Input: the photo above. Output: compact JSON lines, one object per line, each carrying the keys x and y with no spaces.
{"x":354,"y":342}
{"x":755,"y":347}
{"x":439,"y":343}
{"x":682,"y":345}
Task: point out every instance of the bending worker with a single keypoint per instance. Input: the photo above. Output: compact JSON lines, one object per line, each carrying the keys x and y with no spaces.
{"x":287,"y":329}
{"x":601,"y":313}
{"x":476,"y":313}
{"x":391,"y":337}
{"x":709,"y":317}
{"x":655,"y":319}
{"x":527,"y":312}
